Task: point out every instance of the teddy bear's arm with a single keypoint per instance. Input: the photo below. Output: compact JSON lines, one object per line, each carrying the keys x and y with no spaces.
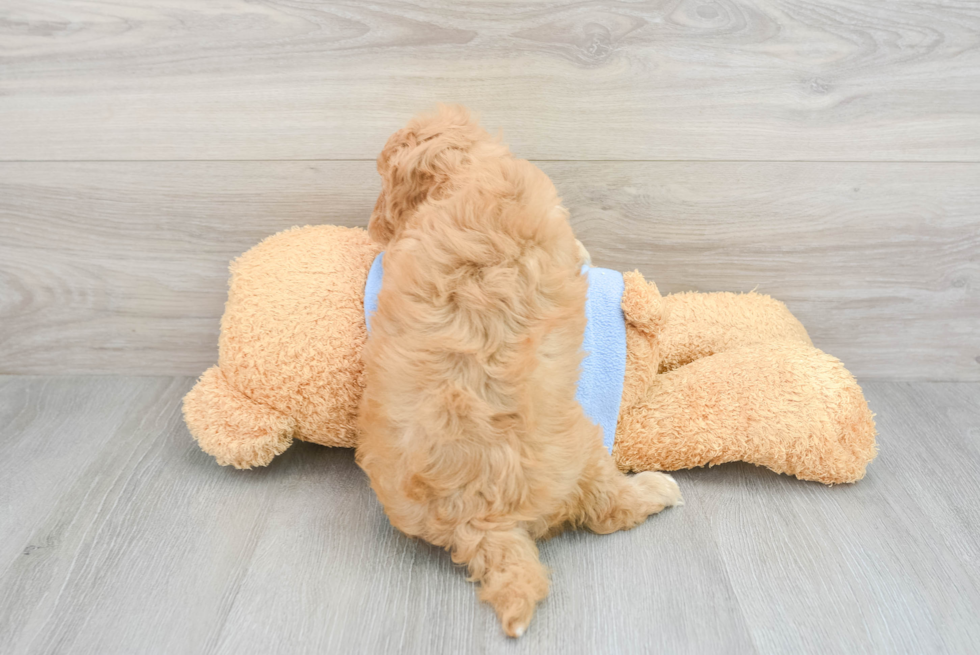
{"x":232,"y":427}
{"x":702,"y":324}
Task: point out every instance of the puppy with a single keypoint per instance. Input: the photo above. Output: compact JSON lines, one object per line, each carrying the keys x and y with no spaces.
{"x":471,"y":434}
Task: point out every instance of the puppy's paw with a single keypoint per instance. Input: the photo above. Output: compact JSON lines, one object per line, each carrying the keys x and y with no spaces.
{"x":657,"y":491}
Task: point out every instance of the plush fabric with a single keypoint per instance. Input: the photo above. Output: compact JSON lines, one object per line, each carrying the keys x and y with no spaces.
{"x":786,"y":406}
{"x":289,"y":352}
{"x":600,"y":384}
{"x":372,"y":287}
{"x":709,"y":378}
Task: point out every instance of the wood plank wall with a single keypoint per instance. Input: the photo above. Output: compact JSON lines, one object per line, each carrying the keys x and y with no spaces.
{"x":825,"y":152}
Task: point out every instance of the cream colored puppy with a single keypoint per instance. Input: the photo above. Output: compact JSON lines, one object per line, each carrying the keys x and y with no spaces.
{"x":471,"y":433}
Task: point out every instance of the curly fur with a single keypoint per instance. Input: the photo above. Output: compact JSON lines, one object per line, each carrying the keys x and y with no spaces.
{"x":471,"y":434}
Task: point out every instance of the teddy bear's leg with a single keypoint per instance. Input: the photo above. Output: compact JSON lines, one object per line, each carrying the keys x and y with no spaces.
{"x":702,"y":324}
{"x":786,"y":406}
{"x":233,"y":428}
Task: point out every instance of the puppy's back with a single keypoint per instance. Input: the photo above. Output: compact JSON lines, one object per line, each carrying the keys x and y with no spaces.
{"x":474,"y":353}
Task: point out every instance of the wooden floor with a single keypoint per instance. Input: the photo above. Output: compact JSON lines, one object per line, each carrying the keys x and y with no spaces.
{"x":121,"y":536}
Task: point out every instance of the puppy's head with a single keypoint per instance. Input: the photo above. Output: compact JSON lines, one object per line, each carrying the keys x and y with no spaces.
{"x":426,"y":161}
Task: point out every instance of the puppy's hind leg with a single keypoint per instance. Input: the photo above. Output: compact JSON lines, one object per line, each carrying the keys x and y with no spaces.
{"x":614,"y":501}
{"x":505,"y":563}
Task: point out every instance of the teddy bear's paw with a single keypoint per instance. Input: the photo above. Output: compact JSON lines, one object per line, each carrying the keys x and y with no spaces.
{"x":233,"y":428}
{"x":657,"y":491}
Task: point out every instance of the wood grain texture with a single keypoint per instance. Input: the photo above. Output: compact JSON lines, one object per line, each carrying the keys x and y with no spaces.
{"x":888,"y":565}
{"x":122,"y":267}
{"x":678,"y":79}
{"x":129,"y":262}
{"x":127,"y":538}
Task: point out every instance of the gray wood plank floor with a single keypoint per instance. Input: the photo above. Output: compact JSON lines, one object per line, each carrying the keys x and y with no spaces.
{"x":120,"y":536}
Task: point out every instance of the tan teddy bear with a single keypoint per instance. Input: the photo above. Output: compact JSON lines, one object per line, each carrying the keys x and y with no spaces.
{"x":683,"y":381}
{"x":710,"y":378}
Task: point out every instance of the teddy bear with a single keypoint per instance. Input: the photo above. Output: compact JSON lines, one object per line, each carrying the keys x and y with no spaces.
{"x":709,"y":377}
{"x":705,"y":378}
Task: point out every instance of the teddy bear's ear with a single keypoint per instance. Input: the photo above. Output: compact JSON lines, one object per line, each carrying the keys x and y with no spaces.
{"x":424,"y":161}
